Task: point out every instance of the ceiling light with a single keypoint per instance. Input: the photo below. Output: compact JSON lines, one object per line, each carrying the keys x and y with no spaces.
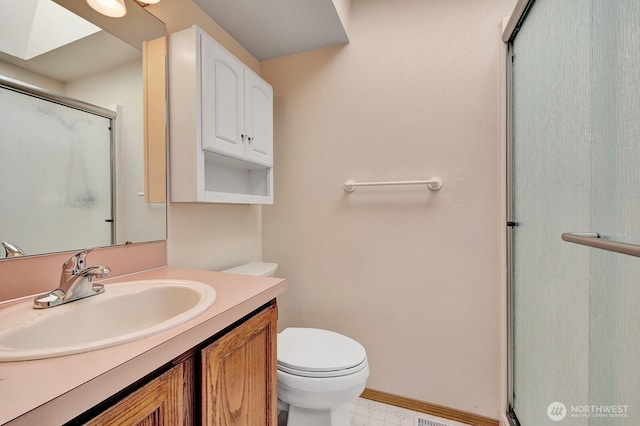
{"x":149,"y":1}
{"x":111,"y":8}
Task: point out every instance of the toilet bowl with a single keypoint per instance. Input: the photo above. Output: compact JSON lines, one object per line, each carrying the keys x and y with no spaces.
{"x":319,"y":371}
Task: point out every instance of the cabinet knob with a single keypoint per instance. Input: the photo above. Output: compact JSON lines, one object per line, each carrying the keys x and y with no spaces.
{"x":242,"y":136}
{"x":250,"y":139}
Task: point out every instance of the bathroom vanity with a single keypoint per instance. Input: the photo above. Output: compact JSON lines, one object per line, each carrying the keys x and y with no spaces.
{"x":229,"y":380}
{"x":218,"y":368}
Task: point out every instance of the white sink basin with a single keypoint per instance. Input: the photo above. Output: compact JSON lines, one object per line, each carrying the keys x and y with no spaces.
{"x":124,"y":312}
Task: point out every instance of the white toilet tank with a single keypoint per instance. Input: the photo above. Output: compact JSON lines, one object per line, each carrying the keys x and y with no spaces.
{"x":259,"y":269}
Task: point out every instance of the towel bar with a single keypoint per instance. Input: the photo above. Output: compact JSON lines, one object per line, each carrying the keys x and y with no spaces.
{"x":592,"y":239}
{"x":434,"y":184}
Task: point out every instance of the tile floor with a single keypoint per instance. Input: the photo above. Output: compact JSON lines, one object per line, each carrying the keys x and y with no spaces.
{"x":365,"y":412}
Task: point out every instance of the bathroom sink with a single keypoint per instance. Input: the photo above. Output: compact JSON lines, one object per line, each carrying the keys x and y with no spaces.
{"x":124,"y":312}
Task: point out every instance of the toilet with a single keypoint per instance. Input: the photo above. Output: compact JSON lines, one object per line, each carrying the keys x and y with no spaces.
{"x":319,"y":371}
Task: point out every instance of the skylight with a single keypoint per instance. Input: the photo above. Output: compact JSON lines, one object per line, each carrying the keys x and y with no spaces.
{"x":29,"y":28}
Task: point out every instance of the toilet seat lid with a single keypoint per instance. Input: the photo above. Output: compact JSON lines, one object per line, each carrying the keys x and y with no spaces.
{"x":316,"y":350}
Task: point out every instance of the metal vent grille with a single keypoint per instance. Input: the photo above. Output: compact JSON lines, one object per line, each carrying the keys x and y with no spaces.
{"x":421,"y":421}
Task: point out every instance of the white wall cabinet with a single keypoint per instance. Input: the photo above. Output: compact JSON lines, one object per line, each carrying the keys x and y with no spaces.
{"x":221,"y":124}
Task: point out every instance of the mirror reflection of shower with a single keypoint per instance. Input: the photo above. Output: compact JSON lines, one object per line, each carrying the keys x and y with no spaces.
{"x":79,"y":129}
{"x":79,"y":193}
{"x":57,"y":158}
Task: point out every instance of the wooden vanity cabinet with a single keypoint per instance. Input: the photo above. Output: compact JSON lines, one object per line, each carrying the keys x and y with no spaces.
{"x":159,"y":402}
{"x":228,"y":380}
{"x":239,"y":374}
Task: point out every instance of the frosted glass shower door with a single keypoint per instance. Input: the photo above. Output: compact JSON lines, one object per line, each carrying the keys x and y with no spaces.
{"x":614,"y":352}
{"x":551,"y":195}
{"x":55,"y":175}
{"x":575,"y":168}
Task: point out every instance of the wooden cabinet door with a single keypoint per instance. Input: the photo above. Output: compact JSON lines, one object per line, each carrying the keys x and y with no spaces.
{"x":158,"y":403}
{"x":239,"y":375}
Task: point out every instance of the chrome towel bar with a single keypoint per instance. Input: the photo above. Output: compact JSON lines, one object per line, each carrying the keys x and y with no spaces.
{"x":592,"y":239}
{"x":434,"y":184}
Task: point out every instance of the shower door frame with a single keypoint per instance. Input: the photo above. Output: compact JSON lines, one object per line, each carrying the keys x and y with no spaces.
{"x":511,"y":29}
{"x":69,"y":102}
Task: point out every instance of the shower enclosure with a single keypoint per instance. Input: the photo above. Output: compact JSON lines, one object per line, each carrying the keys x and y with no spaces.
{"x":574,"y":167}
{"x":56,"y":186}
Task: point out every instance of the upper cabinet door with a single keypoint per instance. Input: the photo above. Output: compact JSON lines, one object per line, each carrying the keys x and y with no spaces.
{"x":258,"y":119}
{"x":222,"y":97}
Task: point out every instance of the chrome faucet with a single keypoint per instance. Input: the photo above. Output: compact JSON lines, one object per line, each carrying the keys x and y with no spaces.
{"x":76,"y":282}
{"x":11,"y":250}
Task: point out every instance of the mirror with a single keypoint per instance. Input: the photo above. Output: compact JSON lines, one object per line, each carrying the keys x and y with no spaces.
{"x":105,"y":69}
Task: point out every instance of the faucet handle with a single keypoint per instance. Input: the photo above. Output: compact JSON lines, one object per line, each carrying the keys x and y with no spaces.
{"x":77,"y":261}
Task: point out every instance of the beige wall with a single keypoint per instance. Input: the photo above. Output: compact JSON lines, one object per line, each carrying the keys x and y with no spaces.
{"x":17,"y":73}
{"x":413,"y":275}
{"x":214,"y":236}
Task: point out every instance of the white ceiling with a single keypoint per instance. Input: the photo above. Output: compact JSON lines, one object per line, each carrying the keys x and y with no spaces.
{"x":270,"y":29}
{"x":98,"y":52}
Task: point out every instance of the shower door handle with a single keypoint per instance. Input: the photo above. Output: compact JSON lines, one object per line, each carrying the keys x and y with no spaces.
{"x":593,"y":239}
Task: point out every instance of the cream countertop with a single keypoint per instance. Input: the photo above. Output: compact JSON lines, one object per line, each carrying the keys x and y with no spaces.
{"x":54,"y":390}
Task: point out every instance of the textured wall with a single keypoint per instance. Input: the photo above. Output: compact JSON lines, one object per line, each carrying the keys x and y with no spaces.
{"x":413,"y":275}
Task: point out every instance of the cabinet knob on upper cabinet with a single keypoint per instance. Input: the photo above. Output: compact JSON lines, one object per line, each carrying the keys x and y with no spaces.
{"x":250,"y":139}
{"x":242,"y":136}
